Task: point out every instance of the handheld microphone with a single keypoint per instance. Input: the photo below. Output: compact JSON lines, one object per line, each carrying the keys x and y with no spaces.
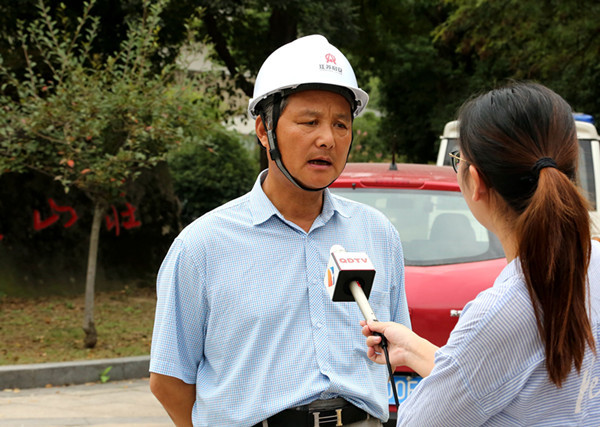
{"x":350,"y":277}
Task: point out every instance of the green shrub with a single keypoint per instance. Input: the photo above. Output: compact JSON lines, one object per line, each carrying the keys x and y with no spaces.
{"x":210,"y":170}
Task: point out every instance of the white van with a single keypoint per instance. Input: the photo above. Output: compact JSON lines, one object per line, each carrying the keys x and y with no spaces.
{"x":589,"y":162}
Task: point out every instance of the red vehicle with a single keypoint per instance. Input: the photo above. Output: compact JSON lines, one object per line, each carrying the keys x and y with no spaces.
{"x":449,"y":256}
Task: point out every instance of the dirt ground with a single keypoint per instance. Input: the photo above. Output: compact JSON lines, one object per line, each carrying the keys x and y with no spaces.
{"x":49,"y":329}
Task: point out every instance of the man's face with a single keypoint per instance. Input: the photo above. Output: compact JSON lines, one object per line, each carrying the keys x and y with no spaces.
{"x":314,"y":134}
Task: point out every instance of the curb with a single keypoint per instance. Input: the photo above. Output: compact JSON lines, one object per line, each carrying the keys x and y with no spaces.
{"x":79,"y":372}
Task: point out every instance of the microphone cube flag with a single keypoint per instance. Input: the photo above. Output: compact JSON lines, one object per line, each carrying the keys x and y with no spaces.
{"x":344,"y":268}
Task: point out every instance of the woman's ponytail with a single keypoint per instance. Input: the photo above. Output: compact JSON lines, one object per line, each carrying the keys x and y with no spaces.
{"x":554,"y":250}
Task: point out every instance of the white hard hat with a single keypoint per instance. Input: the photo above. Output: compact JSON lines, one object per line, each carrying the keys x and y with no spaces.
{"x":307,"y":60}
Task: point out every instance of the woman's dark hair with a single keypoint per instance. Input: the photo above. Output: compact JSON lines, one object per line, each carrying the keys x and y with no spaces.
{"x":522,"y":139}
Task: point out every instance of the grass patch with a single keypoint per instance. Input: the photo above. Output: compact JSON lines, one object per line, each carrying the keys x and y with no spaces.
{"x":49,"y":329}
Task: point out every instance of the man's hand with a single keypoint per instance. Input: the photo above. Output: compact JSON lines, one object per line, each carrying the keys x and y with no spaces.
{"x":404,"y":346}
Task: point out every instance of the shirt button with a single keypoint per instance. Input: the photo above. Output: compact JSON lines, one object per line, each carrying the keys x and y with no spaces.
{"x":319,"y":325}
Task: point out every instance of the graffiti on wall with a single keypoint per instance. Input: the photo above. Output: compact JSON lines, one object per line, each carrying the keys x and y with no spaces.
{"x":129,"y":215}
{"x":40,"y":224}
{"x":114,"y":220}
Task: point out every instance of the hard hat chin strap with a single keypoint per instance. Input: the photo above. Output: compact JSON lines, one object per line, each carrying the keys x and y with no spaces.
{"x":276,"y":156}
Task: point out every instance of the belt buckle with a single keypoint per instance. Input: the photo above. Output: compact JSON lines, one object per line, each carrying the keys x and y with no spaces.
{"x":336,"y":418}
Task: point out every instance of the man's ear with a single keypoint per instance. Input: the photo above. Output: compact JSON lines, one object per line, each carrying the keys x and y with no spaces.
{"x":480,"y":189}
{"x":261,"y":132}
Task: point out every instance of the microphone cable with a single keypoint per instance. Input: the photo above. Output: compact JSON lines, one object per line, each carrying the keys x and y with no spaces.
{"x":384,"y":346}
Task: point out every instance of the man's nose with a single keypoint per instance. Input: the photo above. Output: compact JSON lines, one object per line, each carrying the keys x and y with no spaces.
{"x":326,"y":137}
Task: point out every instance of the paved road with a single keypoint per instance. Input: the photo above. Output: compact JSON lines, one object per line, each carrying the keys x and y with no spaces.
{"x":119,"y":403}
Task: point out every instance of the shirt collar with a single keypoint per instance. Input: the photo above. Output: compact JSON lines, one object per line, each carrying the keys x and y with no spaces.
{"x":262,"y":208}
{"x":333,"y":204}
{"x":513,"y":268}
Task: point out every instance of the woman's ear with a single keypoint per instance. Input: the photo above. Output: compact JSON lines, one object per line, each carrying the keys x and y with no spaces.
{"x":480,"y":189}
{"x":261,"y":132}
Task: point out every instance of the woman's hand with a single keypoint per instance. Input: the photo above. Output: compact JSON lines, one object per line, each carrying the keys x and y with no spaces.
{"x":404,"y":346}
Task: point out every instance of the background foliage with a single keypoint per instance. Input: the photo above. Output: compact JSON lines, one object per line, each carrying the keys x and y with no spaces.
{"x":76,"y":113}
{"x":210,"y":170}
{"x":428,"y":55}
{"x":95,"y":122}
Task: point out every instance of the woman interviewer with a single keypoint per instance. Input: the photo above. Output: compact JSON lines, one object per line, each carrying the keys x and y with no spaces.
{"x":524,"y":351}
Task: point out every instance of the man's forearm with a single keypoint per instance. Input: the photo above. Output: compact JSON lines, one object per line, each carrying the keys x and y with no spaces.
{"x":176,"y":396}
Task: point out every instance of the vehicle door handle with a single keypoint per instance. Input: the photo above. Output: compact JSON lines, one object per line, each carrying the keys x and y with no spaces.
{"x":455,"y":313}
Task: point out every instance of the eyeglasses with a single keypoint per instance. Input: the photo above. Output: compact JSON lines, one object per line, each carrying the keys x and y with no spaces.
{"x":456,"y":159}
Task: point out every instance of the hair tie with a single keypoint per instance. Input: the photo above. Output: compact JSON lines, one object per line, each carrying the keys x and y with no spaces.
{"x":544,"y":162}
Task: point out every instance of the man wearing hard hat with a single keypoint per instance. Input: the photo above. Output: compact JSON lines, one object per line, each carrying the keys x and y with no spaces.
{"x":245,"y":331}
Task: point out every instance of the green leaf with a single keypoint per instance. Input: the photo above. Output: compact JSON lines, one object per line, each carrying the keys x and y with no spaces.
{"x":104,"y":377}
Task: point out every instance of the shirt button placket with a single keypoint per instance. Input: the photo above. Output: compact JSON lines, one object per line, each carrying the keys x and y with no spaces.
{"x":316,"y":306}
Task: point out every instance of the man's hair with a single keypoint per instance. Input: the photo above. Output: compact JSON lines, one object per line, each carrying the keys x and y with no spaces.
{"x":266,"y":106}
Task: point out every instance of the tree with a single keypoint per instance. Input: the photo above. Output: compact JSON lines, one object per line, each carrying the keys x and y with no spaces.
{"x":96,"y":122}
{"x":245,"y":32}
{"x":114,"y":16}
{"x":428,"y":55}
{"x":207,"y":178}
{"x":557,"y":45}
{"x":395,"y":45}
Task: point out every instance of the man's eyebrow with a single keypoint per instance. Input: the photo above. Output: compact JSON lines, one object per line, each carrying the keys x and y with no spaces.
{"x":311,"y":112}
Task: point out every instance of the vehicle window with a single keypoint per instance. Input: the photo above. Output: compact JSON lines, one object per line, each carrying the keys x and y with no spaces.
{"x":585,"y":171}
{"x":436,"y":227}
{"x":452,"y":146}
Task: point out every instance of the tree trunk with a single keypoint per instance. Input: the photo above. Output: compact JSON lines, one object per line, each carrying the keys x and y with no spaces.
{"x":91,"y":337}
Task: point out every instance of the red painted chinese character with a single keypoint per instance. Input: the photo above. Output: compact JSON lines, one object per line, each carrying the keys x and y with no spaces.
{"x":128,"y":223}
{"x":130,"y":213}
{"x":40,"y":224}
{"x":68,"y":209}
{"x":113,"y":222}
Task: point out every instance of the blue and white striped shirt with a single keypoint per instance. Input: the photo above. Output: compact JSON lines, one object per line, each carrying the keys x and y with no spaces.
{"x":244,"y":314}
{"x":492,"y":370}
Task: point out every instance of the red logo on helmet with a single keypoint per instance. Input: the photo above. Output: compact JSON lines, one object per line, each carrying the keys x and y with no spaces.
{"x":330,"y":58}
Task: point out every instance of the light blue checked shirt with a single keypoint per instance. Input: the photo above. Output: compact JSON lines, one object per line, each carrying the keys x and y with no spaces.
{"x":492,"y":370}
{"x":244,"y":314}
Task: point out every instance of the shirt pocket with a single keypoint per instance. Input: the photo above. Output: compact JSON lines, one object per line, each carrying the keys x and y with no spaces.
{"x":380,"y":303}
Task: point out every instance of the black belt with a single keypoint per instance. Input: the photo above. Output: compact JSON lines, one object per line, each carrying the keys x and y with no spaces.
{"x":321,"y":413}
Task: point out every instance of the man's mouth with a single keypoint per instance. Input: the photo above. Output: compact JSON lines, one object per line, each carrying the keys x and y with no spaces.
{"x":319,"y":162}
